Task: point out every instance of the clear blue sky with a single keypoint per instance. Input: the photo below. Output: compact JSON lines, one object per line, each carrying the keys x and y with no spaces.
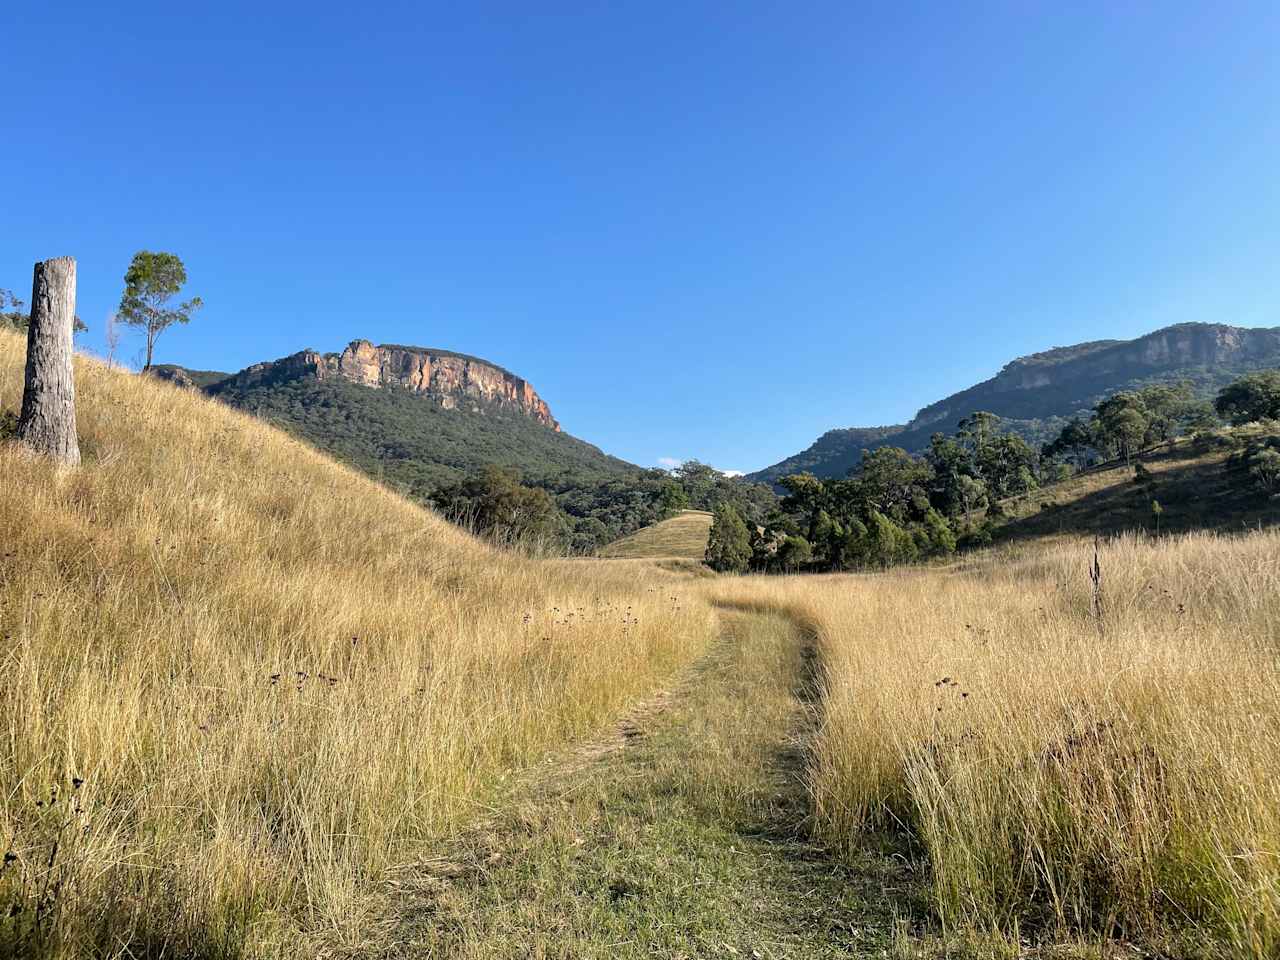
{"x":699,"y":229}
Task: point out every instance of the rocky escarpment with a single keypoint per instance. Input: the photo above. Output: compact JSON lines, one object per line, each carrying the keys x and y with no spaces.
{"x":1045,"y":384}
{"x":453,"y":380}
{"x":1032,"y":394}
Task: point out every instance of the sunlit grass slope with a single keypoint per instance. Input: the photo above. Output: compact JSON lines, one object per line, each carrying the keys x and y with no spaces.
{"x":684,"y":536}
{"x":240,"y":680}
{"x":1062,"y":774}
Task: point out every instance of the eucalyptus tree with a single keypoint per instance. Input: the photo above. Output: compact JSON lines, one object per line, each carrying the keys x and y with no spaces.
{"x":151,"y":283}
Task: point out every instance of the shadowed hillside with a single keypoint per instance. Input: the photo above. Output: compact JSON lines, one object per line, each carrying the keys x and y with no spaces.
{"x":1198,"y":486}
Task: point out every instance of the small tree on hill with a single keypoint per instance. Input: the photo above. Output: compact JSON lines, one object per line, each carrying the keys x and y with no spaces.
{"x":888,"y":543}
{"x":494,"y":504}
{"x":973,"y":496}
{"x":729,"y":546}
{"x":13,"y":315}
{"x":1074,"y":441}
{"x":150,"y":284}
{"x":977,"y":429}
{"x":1264,"y":467}
{"x":894,"y":482}
{"x":1007,"y":464}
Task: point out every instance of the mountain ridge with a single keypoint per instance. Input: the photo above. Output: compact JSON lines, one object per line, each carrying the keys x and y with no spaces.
{"x":450,"y":379}
{"x":421,"y":420}
{"x":450,"y":413}
{"x":1035,"y":393}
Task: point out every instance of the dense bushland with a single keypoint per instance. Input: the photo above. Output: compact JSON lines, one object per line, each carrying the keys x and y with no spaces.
{"x":896,"y":507}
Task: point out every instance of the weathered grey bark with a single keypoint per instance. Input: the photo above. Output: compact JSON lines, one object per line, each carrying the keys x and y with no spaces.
{"x":48,"y":420}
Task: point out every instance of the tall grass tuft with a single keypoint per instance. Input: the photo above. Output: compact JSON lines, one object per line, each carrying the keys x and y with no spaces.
{"x":1064,"y":768}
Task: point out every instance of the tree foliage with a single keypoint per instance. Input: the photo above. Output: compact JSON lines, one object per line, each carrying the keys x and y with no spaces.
{"x":150,"y":285}
{"x":13,"y":315}
{"x":1255,"y":396}
{"x":1130,"y":422}
{"x":729,"y":544}
{"x":895,"y":507}
{"x":1264,"y":467}
{"x":494,"y":504}
{"x":883,"y":514}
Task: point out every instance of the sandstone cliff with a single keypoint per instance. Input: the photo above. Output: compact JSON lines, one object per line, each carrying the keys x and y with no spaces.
{"x":1044,"y":384}
{"x":453,"y":380}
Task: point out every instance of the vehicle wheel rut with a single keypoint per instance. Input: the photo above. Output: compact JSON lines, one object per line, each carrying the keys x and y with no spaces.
{"x":683,"y":833}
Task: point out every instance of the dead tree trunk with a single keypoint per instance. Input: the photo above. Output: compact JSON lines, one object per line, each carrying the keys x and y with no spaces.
{"x":48,"y":421}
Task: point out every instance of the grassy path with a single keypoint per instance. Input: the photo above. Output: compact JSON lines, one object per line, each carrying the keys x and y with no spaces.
{"x":683,"y":835}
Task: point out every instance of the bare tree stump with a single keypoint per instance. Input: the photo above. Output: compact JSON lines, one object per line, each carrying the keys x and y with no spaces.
{"x":48,"y":421}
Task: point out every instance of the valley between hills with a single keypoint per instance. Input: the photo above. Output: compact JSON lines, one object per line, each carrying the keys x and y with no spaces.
{"x":430,"y":423}
{"x":262,"y":702}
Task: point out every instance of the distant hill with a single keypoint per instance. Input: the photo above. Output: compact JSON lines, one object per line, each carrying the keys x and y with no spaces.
{"x":454,"y":381}
{"x":421,"y":419}
{"x":183,"y":377}
{"x":1036,"y":394}
{"x":414,"y":443}
{"x":417,"y":417}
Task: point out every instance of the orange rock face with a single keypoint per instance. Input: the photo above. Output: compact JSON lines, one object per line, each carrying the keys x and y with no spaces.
{"x":451,"y":380}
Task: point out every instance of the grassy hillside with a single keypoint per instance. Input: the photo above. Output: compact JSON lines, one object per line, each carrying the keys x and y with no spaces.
{"x":414,"y":443}
{"x":409,"y":442}
{"x":240,"y":680}
{"x":684,"y":536}
{"x":1199,"y":486}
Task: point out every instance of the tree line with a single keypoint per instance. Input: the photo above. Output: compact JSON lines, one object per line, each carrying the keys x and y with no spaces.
{"x":898,"y":507}
{"x":563,"y":514}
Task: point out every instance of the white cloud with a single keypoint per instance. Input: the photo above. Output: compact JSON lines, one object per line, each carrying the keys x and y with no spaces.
{"x":734,"y":473}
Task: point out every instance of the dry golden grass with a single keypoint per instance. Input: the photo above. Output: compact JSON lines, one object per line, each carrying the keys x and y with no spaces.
{"x":1063,"y":776}
{"x":683,"y":537}
{"x":239,"y":680}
